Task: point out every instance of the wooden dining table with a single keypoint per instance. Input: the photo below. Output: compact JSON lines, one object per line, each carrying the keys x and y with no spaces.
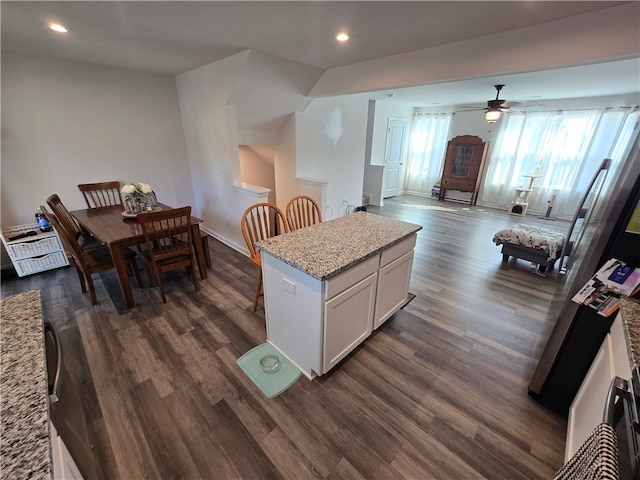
{"x":118,"y":232}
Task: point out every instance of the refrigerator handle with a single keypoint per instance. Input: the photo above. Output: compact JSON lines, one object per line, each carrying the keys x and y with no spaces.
{"x":617,"y":388}
{"x":53,"y":394}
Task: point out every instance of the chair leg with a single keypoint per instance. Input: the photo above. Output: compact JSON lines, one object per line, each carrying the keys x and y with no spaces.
{"x":92,"y":290}
{"x":83,"y":285}
{"x":164,"y":297}
{"x":195,"y":279}
{"x":147,"y":271}
{"x":258,"y":292}
{"x":136,"y":274}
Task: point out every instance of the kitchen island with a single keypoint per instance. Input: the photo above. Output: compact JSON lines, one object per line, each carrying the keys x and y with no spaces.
{"x":328,"y":286}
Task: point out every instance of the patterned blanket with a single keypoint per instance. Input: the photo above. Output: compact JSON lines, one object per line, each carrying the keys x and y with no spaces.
{"x":533,"y":237}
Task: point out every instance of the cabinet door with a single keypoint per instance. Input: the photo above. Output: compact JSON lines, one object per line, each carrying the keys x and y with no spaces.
{"x":393,"y":287}
{"x":347,"y":320}
{"x":588,"y":406}
{"x":64,"y":468}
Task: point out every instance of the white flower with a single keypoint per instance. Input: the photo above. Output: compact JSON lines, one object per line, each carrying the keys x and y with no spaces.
{"x":136,"y":191}
{"x":128,"y":189}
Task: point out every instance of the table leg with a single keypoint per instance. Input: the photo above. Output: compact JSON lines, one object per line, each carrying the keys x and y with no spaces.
{"x":121,"y":270}
{"x":197,"y":242}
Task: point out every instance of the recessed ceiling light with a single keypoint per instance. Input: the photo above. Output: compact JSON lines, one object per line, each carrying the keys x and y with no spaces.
{"x":56,"y":27}
{"x":342,"y":37}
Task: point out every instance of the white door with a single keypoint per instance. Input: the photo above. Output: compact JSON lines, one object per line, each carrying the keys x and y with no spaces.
{"x":393,"y":156}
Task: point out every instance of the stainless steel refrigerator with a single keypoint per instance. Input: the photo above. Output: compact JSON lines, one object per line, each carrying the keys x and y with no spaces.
{"x":578,"y":330}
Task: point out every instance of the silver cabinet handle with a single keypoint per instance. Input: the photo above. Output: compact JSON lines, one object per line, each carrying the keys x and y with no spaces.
{"x":617,"y":388}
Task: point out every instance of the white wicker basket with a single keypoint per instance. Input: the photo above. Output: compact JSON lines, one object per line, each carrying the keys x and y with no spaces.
{"x":40,"y":264}
{"x":33,"y":248}
{"x":35,"y":253}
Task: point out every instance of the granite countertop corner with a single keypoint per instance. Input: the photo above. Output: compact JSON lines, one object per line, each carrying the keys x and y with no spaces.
{"x":630,"y":309}
{"x":25,"y":450}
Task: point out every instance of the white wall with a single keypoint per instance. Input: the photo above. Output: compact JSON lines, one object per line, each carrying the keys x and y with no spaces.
{"x":330,"y":144}
{"x":256,"y":170}
{"x":374,"y":175}
{"x":65,"y":123}
{"x":212,"y":146}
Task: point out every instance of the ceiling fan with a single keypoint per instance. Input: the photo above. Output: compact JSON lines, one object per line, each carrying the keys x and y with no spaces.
{"x":494,"y":108}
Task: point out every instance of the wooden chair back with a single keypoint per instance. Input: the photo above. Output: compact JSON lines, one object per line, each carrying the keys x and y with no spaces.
{"x":67,"y":234}
{"x":101,"y":194}
{"x":63,"y":216}
{"x":87,"y":241}
{"x":169,"y":243}
{"x":88,"y":262}
{"x":261,"y":221}
{"x":302,"y":211}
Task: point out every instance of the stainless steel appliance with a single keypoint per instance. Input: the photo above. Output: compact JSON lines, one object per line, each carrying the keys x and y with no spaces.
{"x":66,"y":410}
{"x":578,"y":331}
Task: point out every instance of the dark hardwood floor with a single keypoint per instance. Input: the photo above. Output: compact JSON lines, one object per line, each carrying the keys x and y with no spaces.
{"x":440,"y":391}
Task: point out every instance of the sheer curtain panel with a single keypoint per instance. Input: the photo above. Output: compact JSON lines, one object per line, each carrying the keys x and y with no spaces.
{"x":427,"y":149}
{"x":565,"y":148}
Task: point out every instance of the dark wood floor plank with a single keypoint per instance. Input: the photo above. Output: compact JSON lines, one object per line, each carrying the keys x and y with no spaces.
{"x":434,"y":462}
{"x":239,"y":446}
{"x":439,"y":391}
{"x":190,"y":417}
{"x":170,"y":454}
{"x":287,"y":457}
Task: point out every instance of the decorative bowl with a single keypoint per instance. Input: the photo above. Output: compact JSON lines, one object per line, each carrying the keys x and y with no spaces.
{"x":270,"y":363}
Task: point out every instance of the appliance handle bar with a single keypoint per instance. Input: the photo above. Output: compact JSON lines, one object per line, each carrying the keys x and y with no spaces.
{"x":617,"y":388}
{"x":53,"y":396}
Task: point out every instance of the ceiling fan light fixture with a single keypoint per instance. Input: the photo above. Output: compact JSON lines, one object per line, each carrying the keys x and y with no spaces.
{"x":492,"y":116}
{"x":58,"y":27}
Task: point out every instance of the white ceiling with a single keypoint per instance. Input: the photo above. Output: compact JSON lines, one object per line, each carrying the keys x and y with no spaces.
{"x":172,"y":37}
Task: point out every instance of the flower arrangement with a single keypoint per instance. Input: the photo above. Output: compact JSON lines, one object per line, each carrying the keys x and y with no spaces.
{"x":138,"y":197}
{"x":136,"y":191}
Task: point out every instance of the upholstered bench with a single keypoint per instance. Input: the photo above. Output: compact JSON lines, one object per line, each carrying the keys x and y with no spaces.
{"x":534,"y":244}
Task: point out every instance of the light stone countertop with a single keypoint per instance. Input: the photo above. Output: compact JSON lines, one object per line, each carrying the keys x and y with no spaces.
{"x":326,"y":249}
{"x":24,"y":409}
{"x":630,"y":309}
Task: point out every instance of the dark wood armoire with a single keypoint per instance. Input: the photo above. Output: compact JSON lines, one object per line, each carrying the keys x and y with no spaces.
{"x":463,"y":166}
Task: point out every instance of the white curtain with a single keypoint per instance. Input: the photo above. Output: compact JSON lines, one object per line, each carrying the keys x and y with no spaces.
{"x":564,"y":148}
{"x":427,"y":148}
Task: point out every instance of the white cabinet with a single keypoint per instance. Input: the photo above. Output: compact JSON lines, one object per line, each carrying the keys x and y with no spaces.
{"x":347,"y":320}
{"x":587,"y":409}
{"x":393,"y":279}
{"x":64,"y":468}
{"x":33,"y":254}
{"x":316,"y":323}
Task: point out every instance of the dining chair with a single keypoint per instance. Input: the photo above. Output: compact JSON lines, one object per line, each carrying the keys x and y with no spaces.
{"x":261,"y":221}
{"x":101,"y":194}
{"x":87,"y":241}
{"x":169,"y":244}
{"x":88,"y":262}
{"x":302,"y":211}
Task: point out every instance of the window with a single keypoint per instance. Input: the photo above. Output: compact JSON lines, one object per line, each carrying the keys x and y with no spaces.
{"x":427,"y":148}
{"x":565,"y":148}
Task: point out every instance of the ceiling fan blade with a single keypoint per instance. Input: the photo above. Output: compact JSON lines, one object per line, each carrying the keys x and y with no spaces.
{"x":526,"y":106}
{"x":470,"y":108}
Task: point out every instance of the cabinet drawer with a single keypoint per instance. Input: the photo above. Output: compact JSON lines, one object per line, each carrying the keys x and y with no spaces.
{"x":34,"y":248}
{"x":352,"y":276}
{"x":40,"y":264}
{"x":460,"y":184}
{"x":397,"y":250}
